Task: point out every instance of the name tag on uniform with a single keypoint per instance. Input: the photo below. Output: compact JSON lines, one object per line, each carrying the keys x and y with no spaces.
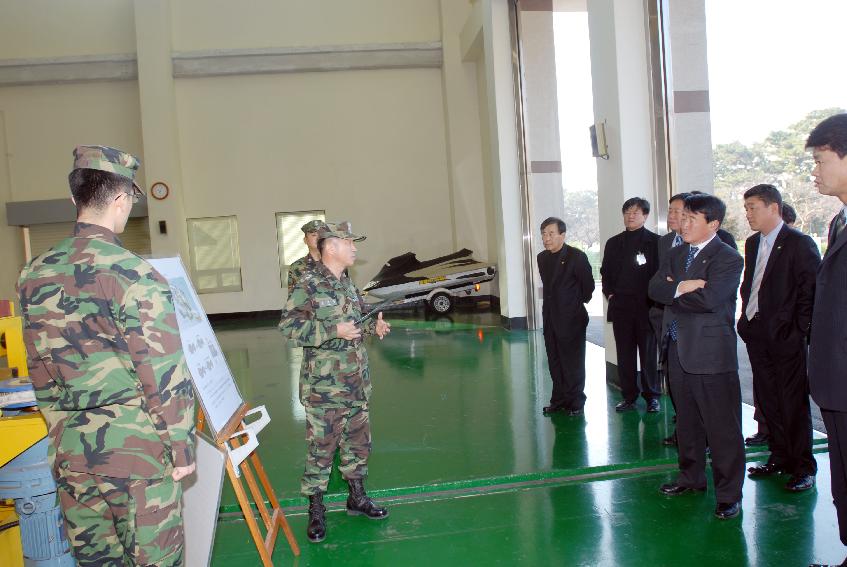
{"x":327,"y":302}
{"x":640,"y":259}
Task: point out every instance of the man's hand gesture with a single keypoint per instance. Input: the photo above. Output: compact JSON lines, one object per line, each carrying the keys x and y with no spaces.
{"x":688,"y":286}
{"x":348,"y":331}
{"x":382,"y":327}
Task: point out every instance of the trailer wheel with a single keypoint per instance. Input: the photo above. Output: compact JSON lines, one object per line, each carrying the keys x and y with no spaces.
{"x":441,"y":303}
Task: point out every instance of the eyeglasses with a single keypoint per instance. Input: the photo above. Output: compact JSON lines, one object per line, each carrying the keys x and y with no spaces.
{"x":135,"y":196}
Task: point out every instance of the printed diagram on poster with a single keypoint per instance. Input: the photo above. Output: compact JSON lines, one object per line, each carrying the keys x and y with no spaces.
{"x":213,"y":380}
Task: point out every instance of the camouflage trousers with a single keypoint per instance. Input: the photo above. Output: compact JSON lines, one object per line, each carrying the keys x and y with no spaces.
{"x":347,"y":430}
{"x":118,"y":521}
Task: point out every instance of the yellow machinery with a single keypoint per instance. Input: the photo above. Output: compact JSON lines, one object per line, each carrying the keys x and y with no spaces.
{"x":18,"y":433}
{"x":12,"y":341}
{"x":21,"y":430}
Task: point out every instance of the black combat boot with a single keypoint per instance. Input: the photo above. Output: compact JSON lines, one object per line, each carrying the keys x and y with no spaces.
{"x":359,"y":504}
{"x":316,"y":530}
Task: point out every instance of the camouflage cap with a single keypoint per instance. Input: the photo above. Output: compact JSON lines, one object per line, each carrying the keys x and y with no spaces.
{"x":312,"y":226}
{"x":104,"y":158}
{"x":339,"y":230}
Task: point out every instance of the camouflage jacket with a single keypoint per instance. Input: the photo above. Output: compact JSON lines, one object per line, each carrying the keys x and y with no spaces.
{"x":335,"y":370}
{"x":105,"y":359}
{"x":298,"y":268}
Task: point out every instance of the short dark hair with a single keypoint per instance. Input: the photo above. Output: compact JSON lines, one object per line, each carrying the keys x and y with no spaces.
{"x":93,"y":189}
{"x":678,"y":197}
{"x":642,"y":204}
{"x":560,"y":224}
{"x":766,"y":192}
{"x":832,"y":134}
{"x":710,"y":206}
{"x":789,"y":215}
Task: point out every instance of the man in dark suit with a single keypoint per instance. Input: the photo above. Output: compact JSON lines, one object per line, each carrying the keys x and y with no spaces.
{"x":777,"y":294}
{"x":568,"y":285}
{"x":676,"y":206}
{"x":672,"y":239}
{"x":629,"y":261}
{"x":697,"y":283}
{"x":827,"y":352}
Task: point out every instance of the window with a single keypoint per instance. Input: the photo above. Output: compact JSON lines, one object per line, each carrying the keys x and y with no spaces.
{"x":289,"y":238}
{"x":215,"y":260}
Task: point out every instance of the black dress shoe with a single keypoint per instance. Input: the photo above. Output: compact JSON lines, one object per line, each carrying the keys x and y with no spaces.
{"x":551,"y":409}
{"x":670,"y":440}
{"x":799,"y":483}
{"x":767,"y":469}
{"x":727,"y":510}
{"x":625,"y":406}
{"x":653,"y":406}
{"x":842,"y":564}
{"x":757,"y":440}
{"x":576,"y":412}
{"x":674,"y":489}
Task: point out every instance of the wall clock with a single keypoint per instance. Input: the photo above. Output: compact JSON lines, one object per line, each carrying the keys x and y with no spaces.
{"x":159,"y":190}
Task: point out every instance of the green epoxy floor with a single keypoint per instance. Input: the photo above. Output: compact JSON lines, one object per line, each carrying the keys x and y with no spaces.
{"x":476,"y":475}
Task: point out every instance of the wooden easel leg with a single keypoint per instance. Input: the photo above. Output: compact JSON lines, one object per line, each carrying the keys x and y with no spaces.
{"x":254,"y":487}
{"x":249,"y":516}
{"x":272,"y":521}
{"x":283,"y":522}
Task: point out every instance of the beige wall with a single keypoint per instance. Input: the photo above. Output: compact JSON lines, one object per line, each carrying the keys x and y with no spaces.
{"x":45,"y":123}
{"x":467,"y":150}
{"x":11,"y":249}
{"x":58,"y":28}
{"x":209,"y":24}
{"x":370,"y":146}
{"x":367,"y":146}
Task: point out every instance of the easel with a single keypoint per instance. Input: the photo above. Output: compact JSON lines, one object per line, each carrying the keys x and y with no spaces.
{"x":237,"y":439}
{"x":235,"y":429}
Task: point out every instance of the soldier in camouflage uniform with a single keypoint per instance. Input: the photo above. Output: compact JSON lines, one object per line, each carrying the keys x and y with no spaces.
{"x":323,"y":316}
{"x":106,"y":362}
{"x":310,"y":260}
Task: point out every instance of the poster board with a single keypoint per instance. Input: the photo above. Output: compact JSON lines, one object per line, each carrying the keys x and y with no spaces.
{"x":201,"y":498}
{"x":213,"y":381}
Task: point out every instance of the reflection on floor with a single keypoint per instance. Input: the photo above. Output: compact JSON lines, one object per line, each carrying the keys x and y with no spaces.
{"x":474,"y":474}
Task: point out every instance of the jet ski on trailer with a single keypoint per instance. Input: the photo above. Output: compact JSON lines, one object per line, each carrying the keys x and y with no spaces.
{"x":438,"y":282}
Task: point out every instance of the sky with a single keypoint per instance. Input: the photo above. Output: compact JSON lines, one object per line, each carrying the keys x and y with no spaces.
{"x":771,"y":62}
{"x":576,"y":106}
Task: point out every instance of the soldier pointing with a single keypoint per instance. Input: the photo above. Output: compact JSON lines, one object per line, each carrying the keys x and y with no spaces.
{"x":323,"y":315}
{"x":106,"y":362}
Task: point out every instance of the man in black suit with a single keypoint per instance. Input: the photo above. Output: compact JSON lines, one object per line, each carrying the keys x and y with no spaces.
{"x":629,"y":261}
{"x":827,"y":352}
{"x":568,"y":285}
{"x":676,"y":206}
{"x":777,"y":294}
{"x":697,"y":283}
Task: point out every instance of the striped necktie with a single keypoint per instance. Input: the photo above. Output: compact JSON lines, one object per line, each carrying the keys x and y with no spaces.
{"x":758,"y":274}
{"x":688,"y":261}
{"x":837,"y":226}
